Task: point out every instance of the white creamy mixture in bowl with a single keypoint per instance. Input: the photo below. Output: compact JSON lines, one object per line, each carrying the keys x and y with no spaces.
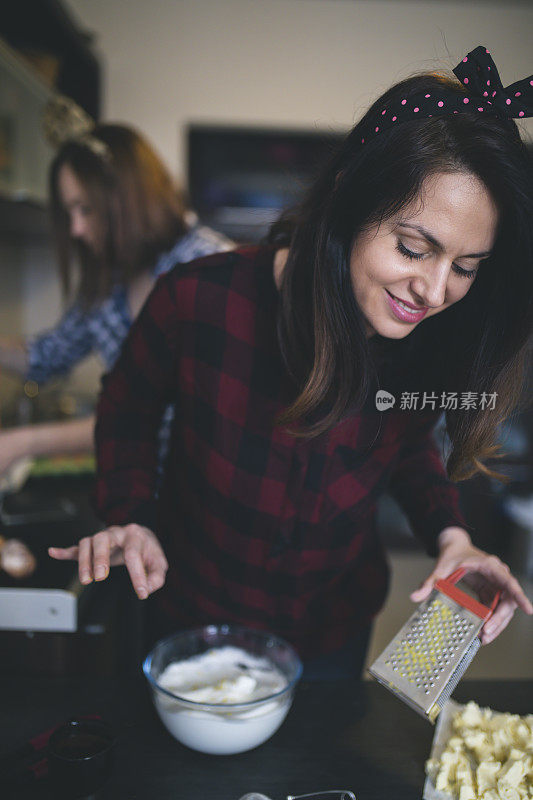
{"x":222,"y":689}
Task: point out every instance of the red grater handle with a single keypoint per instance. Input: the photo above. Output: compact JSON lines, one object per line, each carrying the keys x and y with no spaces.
{"x":448,"y":587}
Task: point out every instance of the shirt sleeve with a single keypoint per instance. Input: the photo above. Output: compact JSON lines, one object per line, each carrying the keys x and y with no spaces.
{"x":199,"y":241}
{"x":56,"y":351}
{"x":133,"y":397}
{"x":421,"y":486}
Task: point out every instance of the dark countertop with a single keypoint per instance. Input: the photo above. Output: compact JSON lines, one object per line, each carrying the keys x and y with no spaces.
{"x":337,"y":736}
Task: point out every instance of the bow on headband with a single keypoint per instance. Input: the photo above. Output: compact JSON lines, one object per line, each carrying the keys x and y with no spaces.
{"x":477,"y":72}
{"x":484,"y":93}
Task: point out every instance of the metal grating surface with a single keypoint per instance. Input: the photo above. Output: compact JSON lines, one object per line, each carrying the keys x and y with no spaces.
{"x":424,"y":655}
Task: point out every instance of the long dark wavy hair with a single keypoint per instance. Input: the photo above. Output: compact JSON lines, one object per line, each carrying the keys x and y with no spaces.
{"x":479,"y":344}
{"x":138,"y":210}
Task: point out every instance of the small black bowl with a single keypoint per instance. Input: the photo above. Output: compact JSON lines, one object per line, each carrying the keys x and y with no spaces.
{"x":80,"y":756}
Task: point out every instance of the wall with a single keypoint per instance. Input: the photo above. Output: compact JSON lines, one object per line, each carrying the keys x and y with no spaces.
{"x":283,"y":62}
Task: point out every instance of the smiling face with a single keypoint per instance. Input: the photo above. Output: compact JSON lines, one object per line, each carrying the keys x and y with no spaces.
{"x":76,"y":202}
{"x":425,"y":258}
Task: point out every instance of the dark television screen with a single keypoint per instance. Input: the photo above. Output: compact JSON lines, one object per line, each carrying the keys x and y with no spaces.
{"x":240,"y":179}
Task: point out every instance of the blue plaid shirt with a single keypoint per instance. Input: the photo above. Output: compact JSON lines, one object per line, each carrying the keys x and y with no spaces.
{"x":102,"y":329}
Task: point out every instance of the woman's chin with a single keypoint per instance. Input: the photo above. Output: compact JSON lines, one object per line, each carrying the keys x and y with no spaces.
{"x":389,"y":329}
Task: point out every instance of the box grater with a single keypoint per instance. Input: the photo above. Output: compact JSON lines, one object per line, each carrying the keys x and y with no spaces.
{"x":427,"y":658}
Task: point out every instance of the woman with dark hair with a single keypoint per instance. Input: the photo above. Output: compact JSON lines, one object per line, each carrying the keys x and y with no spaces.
{"x":405,"y":275}
{"x":118,"y":216}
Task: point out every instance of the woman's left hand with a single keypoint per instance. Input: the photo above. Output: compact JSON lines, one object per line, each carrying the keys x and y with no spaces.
{"x":486,"y":574}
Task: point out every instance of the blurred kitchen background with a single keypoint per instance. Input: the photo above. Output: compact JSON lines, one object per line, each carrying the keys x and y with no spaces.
{"x":243,"y":99}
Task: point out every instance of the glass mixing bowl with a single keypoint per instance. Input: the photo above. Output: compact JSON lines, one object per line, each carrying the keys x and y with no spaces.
{"x":227,"y":727}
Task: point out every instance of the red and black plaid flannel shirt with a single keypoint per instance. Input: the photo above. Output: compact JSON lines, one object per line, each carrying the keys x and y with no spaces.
{"x":259,"y":527}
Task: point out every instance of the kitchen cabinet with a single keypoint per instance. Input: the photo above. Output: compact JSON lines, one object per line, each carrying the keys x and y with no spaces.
{"x":24,"y":154}
{"x":44,"y":31}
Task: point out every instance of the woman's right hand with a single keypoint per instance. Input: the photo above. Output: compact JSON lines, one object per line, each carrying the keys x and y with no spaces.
{"x":133,"y":545}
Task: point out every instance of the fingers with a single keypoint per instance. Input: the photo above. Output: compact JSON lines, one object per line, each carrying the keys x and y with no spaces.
{"x":486,"y":574}
{"x":442,"y":570}
{"x":97,"y":553}
{"x":64,"y":553}
{"x":101,"y":555}
{"x":423,"y":591}
{"x":133,"y":545}
{"x":501,"y":578}
{"x":85,"y":555}
{"x":157,"y":571}
{"x":145,"y":560}
{"x":135,"y":565}
{"x":156,"y":580}
{"x":82,"y":553}
{"x":518,"y":595}
{"x":94,"y":554}
{"x":499,"y":620}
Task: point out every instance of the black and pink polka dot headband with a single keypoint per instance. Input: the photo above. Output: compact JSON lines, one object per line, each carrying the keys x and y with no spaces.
{"x":484,"y":94}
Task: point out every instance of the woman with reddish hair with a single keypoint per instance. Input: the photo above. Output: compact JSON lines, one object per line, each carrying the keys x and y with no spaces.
{"x":118,"y":217}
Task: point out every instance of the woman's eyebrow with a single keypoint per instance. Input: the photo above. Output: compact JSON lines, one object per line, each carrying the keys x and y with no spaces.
{"x":435,"y":242}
